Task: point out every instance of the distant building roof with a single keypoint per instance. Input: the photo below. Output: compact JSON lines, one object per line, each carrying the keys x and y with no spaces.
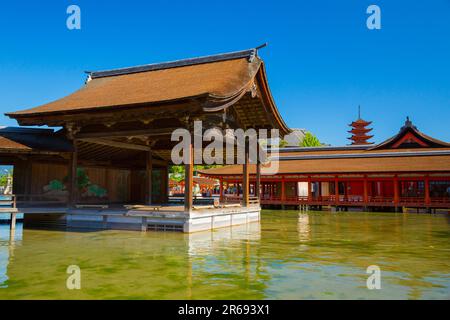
{"x":16,"y":139}
{"x":335,"y":164}
{"x":294,"y":138}
{"x":409,"y":151}
{"x":410,"y":137}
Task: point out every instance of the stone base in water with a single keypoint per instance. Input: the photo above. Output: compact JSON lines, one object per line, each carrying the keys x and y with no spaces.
{"x":200,"y":219}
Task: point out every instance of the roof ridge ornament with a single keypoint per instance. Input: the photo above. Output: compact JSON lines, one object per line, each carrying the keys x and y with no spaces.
{"x":254,"y":53}
{"x":408,"y":124}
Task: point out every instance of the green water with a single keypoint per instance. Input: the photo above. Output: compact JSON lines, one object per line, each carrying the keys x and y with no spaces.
{"x":287,"y":255}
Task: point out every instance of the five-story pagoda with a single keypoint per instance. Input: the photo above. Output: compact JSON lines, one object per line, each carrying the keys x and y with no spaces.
{"x":360,"y":131}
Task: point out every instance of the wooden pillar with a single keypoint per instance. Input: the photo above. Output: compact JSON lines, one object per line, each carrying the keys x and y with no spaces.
{"x":336,"y":190}
{"x":258,"y":181}
{"x":366,"y":190}
{"x":12,"y":225}
{"x":427,"y":190}
{"x":148,"y":178}
{"x":283,"y":190}
{"x":245,"y":179}
{"x":309,"y":189}
{"x":166,"y":184}
{"x":345,"y":191}
{"x":72,"y":185}
{"x":189,"y":179}
{"x":220,"y":190}
{"x":396,"y":191}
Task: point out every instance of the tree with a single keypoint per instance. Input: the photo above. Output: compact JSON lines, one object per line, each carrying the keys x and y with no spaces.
{"x":4,"y":174}
{"x":176,"y":172}
{"x":282,"y":144}
{"x":310,"y":140}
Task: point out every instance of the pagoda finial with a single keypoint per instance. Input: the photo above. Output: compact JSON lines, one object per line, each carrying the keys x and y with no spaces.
{"x":359,"y":111}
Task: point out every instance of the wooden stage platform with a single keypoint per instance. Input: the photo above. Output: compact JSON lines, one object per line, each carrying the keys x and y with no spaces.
{"x":142,"y":218}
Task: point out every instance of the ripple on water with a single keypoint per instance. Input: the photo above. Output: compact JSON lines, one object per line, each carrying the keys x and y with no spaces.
{"x":287,"y":255}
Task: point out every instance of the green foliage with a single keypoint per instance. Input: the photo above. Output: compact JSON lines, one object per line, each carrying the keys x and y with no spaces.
{"x":97,"y":191}
{"x":84,"y":184}
{"x":4,"y":173}
{"x":56,"y":185}
{"x":283,"y":143}
{"x":3,"y":180}
{"x":176,"y":173}
{"x":82,"y":179}
{"x":310,"y":140}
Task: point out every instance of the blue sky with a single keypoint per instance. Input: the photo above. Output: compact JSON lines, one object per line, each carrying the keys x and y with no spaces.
{"x":322,"y":61}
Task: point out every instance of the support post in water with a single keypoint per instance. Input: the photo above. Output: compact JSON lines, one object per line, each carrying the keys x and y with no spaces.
{"x":12,"y":225}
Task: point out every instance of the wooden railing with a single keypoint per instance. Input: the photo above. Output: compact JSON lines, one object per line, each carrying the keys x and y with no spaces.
{"x":30,"y":200}
{"x":253,"y":200}
{"x":8,"y":205}
{"x":230,"y":199}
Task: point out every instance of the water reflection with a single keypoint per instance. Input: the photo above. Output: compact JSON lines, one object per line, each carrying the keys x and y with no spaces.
{"x":303,"y":227}
{"x":289,"y":255}
{"x":8,"y":239}
{"x":207,"y":242}
{"x":205,"y":252}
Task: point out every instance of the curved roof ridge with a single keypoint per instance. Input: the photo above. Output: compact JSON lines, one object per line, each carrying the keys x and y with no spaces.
{"x":250,"y":54}
{"x":403,"y":130}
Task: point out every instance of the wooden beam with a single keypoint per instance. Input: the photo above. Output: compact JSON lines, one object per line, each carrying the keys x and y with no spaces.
{"x":117,"y":144}
{"x":126,"y":133}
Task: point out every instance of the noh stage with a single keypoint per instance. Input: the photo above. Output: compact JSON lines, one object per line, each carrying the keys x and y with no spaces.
{"x":108,"y":165}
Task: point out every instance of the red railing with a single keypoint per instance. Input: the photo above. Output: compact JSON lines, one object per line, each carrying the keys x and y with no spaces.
{"x":355,"y":200}
{"x":380,"y":199}
{"x":414,"y":200}
{"x":443,"y":200}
